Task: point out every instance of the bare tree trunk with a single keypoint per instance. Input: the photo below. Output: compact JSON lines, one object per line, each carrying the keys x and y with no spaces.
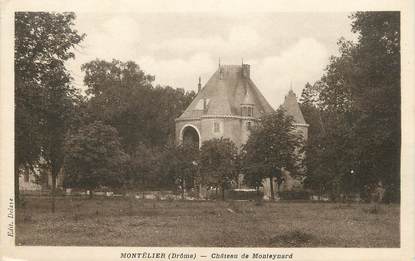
{"x":223,"y":191}
{"x":279,"y":186}
{"x":271,"y":184}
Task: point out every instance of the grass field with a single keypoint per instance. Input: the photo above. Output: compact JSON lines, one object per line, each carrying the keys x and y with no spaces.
{"x":122,"y":222}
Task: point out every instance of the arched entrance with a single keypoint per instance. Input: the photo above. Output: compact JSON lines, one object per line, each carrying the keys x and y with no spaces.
{"x":190,"y":136}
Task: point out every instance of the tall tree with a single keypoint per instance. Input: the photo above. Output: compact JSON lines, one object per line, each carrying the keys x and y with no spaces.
{"x":272,"y":145}
{"x":310,"y":95}
{"x":326,"y":157}
{"x":316,"y":178}
{"x":122,"y":95}
{"x":171,"y":103}
{"x":359,"y":98}
{"x":218,"y":163}
{"x":43,"y":95}
{"x":377,"y":98}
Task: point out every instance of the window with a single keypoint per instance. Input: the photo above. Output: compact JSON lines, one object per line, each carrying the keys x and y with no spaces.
{"x":247,"y":111}
{"x":216,"y":127}
{"x":250,"y":111}
{"x":202,"y":104}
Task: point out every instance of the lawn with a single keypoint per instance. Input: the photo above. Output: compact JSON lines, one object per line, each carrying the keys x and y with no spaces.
{"x":122,"y":222}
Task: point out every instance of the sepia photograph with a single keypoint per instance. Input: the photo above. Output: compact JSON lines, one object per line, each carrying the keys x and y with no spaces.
{"x":271,"y":130}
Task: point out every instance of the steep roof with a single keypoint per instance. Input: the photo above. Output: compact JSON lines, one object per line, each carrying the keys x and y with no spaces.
{"x":292,"y":108}
{"x":228,"y":88}
{"x":248,"y":100}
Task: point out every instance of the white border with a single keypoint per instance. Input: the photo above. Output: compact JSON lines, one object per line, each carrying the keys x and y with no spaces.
{"x":405,"y":252}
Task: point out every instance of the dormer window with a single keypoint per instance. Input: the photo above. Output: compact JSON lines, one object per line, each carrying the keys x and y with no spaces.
{"x":250,"y":111}
{"x":202,"y":104}
{"x":247,"y":111}
{"x":247,"y":105}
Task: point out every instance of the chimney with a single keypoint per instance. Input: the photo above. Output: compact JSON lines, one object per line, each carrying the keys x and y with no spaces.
{"x":246,"y":71}
{"x":221,"y":72}
{"x":199,"y":85}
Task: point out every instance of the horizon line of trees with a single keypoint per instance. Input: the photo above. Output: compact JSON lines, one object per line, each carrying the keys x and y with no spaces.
{"x":96,"y":159}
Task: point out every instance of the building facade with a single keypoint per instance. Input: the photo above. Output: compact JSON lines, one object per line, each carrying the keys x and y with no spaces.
{"x":38,"y":179}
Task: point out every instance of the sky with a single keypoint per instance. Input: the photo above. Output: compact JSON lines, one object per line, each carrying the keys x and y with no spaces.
{"x":283,"y":49}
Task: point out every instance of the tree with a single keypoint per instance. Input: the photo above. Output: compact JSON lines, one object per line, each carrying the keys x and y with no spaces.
{"x":253,"y":173}
{"x":170,"y":104}
{"x":272,"y":145}
{"x":146,"y":169}
{"x":319,"y":175}
{"x":359,"y":104}
{"x":94,"y":158}
{"x":43,"y":95}
{"x":119,"y":96}
{"x":377,"y":93}
{"x":218,"y":163}
{"x":122,"y":95}
{"x":181,"y":165}
{"x":310,"y":95}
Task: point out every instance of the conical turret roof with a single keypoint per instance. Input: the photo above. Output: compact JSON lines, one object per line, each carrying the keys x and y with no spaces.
{"x":248,"y":100}
{"x":292,"y":107}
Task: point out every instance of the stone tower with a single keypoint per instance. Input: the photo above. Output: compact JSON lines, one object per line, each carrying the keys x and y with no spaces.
{"x":225,"y":107}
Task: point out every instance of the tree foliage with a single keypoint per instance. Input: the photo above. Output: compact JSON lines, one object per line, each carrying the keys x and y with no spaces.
{"x":44,"y":98}
{"x":147,"y":168}
{"x":43,"y":41}
{"x":94,"y":158}
{"x":358,"y":109}
{"x":181,"y":165}
{"x":377,"y":91}
{"x":272,"y":145}
{"x":218,"y":163}
{"x":123,"y":96}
